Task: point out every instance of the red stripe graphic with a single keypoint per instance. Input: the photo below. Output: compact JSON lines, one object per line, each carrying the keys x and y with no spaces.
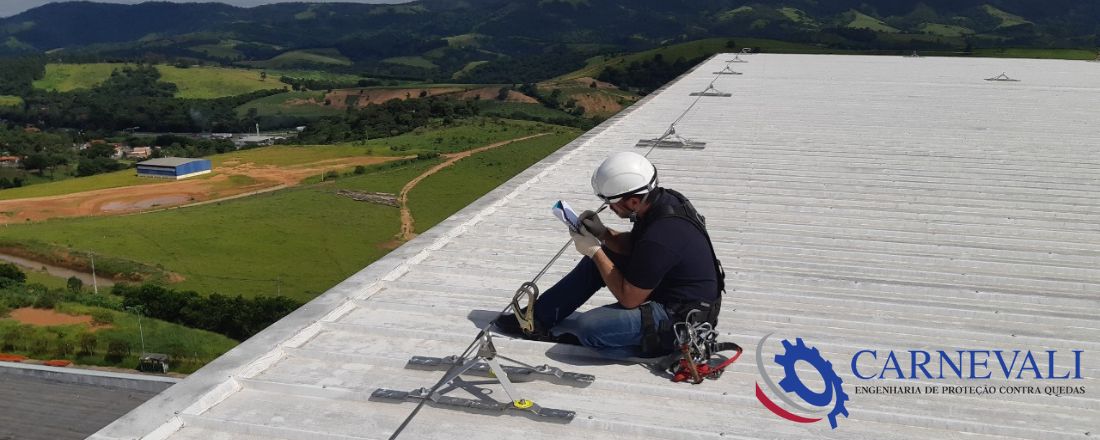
{"x":780,"y":411}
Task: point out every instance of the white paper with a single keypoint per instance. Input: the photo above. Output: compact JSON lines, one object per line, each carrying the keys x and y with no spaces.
{"x":566,"y":214}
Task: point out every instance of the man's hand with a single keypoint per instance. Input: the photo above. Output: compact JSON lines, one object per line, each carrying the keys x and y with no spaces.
{"x":587,"y":243}
{"x":591,"y":221}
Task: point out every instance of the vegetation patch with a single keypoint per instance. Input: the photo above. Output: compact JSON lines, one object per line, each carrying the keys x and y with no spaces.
{"x":191,"y":82}
{"x":467,"y":68}
{"x":224,"y":50}
{"x":420,"y":62}
{"x":115,"y":268}
{"x":69,"y":77}
{"x":798,"y":16}
{"x":733,"y":13}
{"x":69,"y":186}
{"x":299,"y":58}
{"x":1007,"y":19}
{"x":116,"y":344}
{"x":309,"y":105}
{"x":10,"y":101}
{"x":464,"y":40}
{"x":864,"y":21}
{"x":945,"y":30}
{"x":216,"y":82}
{"x":451,"y":189}
{"x":1061,"y":54}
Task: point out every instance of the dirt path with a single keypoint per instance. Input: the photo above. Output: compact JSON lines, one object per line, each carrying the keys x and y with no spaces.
{"x":156,"y":196}
{"x":407,"y":222}
{"x":46,"y":318}
{"x":57,"y":271}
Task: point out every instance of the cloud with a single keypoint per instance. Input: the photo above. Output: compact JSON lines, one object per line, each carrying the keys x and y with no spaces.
{"x":13,"y":7}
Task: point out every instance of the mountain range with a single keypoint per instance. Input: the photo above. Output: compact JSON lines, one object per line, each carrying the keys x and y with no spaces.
{"x":449,"y":35}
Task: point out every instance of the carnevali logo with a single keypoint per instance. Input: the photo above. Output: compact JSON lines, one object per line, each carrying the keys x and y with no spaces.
{"x":800,"y":403}
{"x":819,"y":392}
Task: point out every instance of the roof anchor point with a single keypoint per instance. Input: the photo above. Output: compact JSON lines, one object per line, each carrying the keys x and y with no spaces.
{"x":671,"y":140}
{"x":712,"y":91}
{"x":1001,"y":77}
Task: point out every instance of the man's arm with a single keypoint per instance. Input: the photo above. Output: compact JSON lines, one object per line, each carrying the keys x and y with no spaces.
{"x":628,"y":295}
{"x":619,"y":242}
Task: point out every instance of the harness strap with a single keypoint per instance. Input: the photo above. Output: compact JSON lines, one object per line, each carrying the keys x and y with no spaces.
{"x":651,"y":335}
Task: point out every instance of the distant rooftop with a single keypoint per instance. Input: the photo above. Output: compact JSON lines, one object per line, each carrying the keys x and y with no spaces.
{"x":856,"y":202}
{"x":168,"y":161}
{"x":66,"y":403}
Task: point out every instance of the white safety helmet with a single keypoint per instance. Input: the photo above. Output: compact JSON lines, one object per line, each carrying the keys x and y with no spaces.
{"x":624,"y":174}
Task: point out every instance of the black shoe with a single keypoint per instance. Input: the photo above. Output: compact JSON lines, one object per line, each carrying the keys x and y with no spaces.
{"x":507,"y":324}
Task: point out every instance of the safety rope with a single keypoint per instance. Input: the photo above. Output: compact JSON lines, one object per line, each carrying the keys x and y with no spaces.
{"x":468,"y":351}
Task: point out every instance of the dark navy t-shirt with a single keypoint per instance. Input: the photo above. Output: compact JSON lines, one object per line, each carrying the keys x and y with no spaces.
{"x":672,"y":257}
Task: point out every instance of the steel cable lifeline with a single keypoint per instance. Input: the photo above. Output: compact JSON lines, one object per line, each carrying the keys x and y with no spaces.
{"x":459,"y":363}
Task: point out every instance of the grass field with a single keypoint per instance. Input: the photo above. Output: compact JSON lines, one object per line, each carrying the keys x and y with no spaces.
{"x":733,"y":13}
{"x":73,"y":185}
{"x":193,"y":82}
{"x":864,"y":21}
{"x":1007,"y":19}
{"x":224,"y":49}
{"x":296,"y":242}
{"x":216,"y":82}
{"x":45,"y":279}
{"x":420,"y":62}
{"x":797,"y":16}
{"x":293,"y":104}
{"x":190,"y":348}
{"x":451,"y":189}
{"x":945,"y":30}
{"x":287,"y":155}
{"x":476,"y":133}
{"x":10,"y":101}
{"x":467,"y":68}
{"x":297,"y":58}
{"x":1062,"y":54}
{"x":504,"y":109}
{"x":464,"y":40}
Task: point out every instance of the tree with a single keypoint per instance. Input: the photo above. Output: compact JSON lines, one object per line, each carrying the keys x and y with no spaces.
{"x":10,"y":274}
{"x":75,"y":284}
{"x":116,"y":350}
{"x":36,"y":161}
{"x":263,"y":75}
{"x":87,"y":344}
{"x":502,"y":94}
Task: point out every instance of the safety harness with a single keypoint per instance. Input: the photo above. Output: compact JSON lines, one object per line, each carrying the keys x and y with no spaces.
{"x":689,"y":332}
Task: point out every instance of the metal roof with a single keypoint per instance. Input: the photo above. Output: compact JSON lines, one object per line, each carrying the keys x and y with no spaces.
{"x":886,"y":203}
{"x":169,"y":161}
{"x":66,"y":403}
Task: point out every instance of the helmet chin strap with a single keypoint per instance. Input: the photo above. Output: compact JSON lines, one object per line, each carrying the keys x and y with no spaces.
{"x":645,"y":199}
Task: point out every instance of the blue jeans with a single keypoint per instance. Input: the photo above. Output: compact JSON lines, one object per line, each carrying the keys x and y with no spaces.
{"x":612,"y":330}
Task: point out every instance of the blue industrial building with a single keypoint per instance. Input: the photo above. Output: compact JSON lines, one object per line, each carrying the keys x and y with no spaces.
{"x":173,"y":168}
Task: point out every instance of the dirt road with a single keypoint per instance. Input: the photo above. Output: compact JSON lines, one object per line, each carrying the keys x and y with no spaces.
{"x":407,"y":222}
{"x":131,"y":199}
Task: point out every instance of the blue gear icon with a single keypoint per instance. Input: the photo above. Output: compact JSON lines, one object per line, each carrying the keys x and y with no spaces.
{"x":792,"y":384}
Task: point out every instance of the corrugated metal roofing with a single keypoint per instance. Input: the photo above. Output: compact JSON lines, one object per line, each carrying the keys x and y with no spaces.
{"x":168,"y":161}
{"x":881,"y":203}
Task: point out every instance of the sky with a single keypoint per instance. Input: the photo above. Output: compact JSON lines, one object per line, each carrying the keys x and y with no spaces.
{"x":12,"y":7}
